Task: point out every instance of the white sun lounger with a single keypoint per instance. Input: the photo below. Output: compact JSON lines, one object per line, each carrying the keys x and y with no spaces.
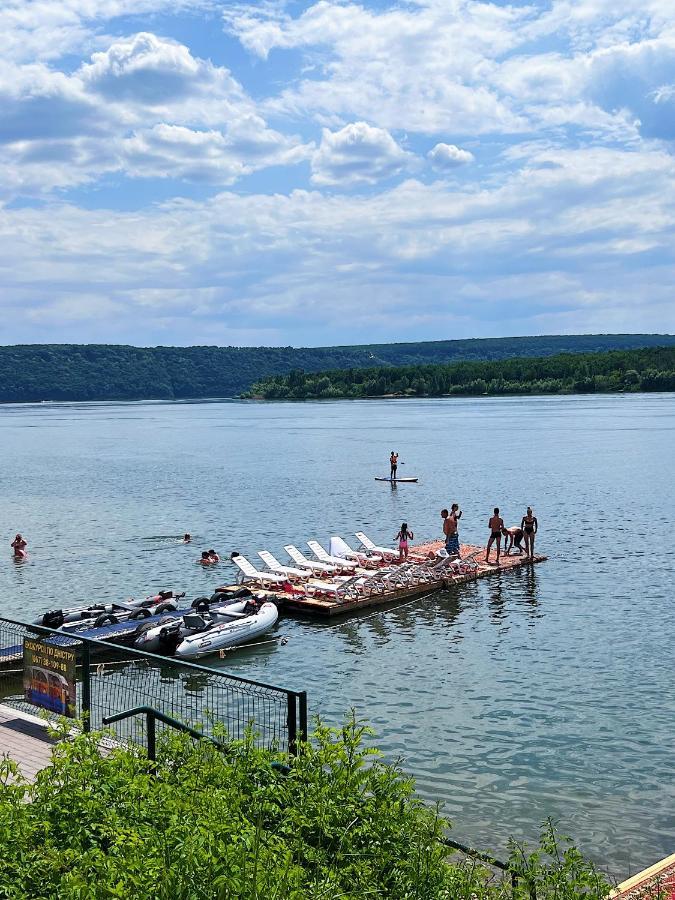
{"x":341,"y":549}
{"x":324,"y":557}
{"x":346,"y":589}
{"x":250,"y":573}
{"x":367,"y":544}
{"x":301,"y":560}
{"x":275,"y":566}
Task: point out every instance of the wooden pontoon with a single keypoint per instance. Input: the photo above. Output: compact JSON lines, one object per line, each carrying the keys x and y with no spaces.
{"x":325,"y":607}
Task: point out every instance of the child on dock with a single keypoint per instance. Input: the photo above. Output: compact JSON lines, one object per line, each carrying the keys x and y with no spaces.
{"x":402,"y":538}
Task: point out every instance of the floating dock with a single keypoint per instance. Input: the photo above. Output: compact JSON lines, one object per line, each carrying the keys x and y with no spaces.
{"x":326,"y":607}
{"x":655,"y":883}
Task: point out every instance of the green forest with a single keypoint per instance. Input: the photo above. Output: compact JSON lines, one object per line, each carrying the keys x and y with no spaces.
{"x":37,"y":372}
{"x":649,"y":369}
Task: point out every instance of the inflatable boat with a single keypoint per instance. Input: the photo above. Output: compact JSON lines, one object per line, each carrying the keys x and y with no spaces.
{"x":228,"y":634}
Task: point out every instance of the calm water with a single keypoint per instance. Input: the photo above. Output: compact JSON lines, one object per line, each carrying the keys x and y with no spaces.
{"x":543,"y":692}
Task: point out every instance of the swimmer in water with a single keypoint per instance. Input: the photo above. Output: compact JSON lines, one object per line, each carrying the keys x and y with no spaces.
{"x":18,"y":545}
{"x":187,"y":538}
{"x":213,"y":556}
{"x":205,"y":559}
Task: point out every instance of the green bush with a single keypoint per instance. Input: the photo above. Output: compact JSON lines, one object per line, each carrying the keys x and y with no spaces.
{"x":208,"y":824}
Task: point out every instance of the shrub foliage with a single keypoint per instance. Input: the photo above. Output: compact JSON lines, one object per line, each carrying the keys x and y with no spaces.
{"x":208,"y":824}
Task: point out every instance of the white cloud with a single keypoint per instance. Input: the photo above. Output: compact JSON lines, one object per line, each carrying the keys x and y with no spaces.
{"x":564,"y":229}
{"x":143,"y":107}
{"x":357,"y":154}
{"x":448,"y":156}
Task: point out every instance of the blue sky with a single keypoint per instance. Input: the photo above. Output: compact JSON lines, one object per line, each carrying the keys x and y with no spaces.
{"x":205,"y":172}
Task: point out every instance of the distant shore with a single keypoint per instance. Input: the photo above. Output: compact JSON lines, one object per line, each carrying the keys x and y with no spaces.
{"x":645,"y":370}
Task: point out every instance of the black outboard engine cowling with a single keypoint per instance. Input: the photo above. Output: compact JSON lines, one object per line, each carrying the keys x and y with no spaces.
{"x":53,"y":619}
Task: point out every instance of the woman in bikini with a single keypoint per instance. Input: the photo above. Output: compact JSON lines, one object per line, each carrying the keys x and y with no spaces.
{"x":18,"y":545}
{"x":402,"y":538}
{"x":529,"y":525}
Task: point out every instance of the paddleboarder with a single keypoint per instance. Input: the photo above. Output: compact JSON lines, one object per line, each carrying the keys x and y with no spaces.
{"x":393,"y":463}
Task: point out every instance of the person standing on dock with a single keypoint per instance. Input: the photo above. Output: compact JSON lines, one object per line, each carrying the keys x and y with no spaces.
{"x":450,"y":522}
{"x":529,"y":525}
{"x":402,"y":537}
{"x":496,"y":526}
{"x":393,"y":464}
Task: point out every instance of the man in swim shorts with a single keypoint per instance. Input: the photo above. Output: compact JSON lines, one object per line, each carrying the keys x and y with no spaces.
{"x":450,"y":520}
{"x":513,"y":537}
{"x":496,"y":526}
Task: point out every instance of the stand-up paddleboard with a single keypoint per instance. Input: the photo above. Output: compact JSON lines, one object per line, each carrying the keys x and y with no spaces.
{"x":397,"y":480}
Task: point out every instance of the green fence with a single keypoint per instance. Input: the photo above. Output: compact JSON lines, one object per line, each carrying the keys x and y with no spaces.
{"x":111,"y":679}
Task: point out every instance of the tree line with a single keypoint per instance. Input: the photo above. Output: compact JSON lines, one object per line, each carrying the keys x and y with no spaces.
{"x":34,"y":372}
{"x":648,"y":369}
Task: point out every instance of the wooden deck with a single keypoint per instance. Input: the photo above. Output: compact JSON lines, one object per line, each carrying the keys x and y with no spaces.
{"x":655,"y":883}
{"x":325,"y":607}
{"x":24,"y":739}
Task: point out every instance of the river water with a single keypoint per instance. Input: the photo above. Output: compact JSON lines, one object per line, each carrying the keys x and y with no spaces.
{"x":544,"y":692}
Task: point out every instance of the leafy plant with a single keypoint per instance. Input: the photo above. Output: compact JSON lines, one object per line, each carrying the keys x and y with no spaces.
{"x":214,"y":825}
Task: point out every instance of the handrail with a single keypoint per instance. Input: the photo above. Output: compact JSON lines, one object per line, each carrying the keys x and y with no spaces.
{"x":152,"y":715}
{"x":493,"y":861}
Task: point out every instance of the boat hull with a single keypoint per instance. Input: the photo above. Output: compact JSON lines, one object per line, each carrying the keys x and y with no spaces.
{"x":229,"y":634}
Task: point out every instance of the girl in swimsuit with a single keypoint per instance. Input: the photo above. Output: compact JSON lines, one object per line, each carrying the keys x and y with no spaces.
{"x":18,"y":545}
{"x":529,"y":525}
{"x":402,"y":538}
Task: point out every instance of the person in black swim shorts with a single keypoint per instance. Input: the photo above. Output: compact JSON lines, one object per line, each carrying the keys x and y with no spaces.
{"x":496,"y":526}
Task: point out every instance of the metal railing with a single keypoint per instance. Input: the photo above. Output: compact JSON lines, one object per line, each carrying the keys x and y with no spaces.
{"x":112,"y":679}
{"x":515,"y":874}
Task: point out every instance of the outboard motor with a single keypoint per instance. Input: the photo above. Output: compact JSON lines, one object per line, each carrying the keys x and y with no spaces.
{"x":52,"y":619}
{"x":169,"y":639}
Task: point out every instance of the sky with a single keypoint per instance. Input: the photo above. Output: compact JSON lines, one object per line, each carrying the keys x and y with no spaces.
{"x":315,"y":173}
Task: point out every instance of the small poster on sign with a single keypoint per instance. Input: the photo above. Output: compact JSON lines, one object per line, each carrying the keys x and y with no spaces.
{"x":49,"y":676}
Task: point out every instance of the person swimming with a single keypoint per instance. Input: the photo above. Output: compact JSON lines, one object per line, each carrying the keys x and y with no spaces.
{"x":205,"y":559}
{"x":214,"y":556}
{"x":402,"y":538}
{"x":187,"y":537}
{"x":19,"y":545}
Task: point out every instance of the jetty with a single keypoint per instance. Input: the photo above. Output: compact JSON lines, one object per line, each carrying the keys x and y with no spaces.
{"x":324,"y":606}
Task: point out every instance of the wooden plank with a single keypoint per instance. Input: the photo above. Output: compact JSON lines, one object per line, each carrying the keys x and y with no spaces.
{"x":654,"y":883}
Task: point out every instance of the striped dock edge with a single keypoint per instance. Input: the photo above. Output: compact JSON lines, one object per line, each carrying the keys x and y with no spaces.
{"x":655,"y":883}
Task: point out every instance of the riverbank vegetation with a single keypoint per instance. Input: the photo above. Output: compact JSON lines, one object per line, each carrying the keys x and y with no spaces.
{"x":37,"y":372}
{"x":339,"y":823}
{"x":650,"y":369}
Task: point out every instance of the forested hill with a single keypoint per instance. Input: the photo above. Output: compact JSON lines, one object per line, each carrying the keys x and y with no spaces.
{"x":650,"y":369}
{"x":34,"y":372}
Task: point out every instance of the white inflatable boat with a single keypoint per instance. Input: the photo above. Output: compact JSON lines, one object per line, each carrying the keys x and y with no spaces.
{"x":229,"y":633}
